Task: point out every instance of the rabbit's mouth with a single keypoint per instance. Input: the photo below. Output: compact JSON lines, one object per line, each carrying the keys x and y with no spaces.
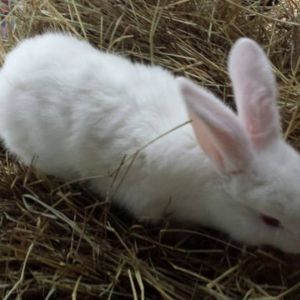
{"x":270,"y":221}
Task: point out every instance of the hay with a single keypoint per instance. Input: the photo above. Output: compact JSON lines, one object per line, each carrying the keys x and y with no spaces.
{"x":59,"y":241}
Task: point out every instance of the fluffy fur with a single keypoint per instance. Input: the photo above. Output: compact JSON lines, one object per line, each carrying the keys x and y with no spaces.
{"x":75,"y":112}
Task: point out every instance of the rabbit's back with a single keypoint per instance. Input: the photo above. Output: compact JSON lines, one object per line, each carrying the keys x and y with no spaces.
{"x":77,"y":111}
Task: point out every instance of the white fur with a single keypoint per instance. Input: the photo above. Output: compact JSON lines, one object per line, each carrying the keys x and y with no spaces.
{"x":75,"y":112}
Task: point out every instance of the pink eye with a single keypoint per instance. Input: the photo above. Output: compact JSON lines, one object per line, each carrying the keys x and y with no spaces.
{"x":270,"y":221}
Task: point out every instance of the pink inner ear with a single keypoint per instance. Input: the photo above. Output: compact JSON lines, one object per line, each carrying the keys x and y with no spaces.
{"x":259,"y":114}
{"x":255,"y":92}
{"x":204,"y":140}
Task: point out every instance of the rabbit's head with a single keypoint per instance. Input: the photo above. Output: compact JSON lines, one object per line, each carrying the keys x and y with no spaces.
{"x":260,"y":172}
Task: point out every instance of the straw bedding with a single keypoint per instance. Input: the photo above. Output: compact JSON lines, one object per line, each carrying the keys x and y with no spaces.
{"x":59,"y":241}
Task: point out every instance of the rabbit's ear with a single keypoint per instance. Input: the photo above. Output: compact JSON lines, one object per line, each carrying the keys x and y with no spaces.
{"x":218,"y":130}
{"x":255,"y":92}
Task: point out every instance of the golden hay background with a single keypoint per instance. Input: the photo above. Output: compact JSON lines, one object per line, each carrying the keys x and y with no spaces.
{"x":62,"y":242}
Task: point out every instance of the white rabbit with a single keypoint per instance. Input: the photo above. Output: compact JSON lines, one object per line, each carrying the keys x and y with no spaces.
{"x":75,"y":112}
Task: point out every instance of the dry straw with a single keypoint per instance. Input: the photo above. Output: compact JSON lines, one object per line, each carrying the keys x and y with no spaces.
{"x":59,"y":241}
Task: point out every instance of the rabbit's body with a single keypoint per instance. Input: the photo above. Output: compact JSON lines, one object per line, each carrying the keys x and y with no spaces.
{"x":85,"y":115}
{"x":76,"y":112}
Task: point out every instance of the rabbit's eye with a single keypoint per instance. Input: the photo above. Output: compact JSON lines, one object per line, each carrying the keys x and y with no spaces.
{"x":270,"y":221}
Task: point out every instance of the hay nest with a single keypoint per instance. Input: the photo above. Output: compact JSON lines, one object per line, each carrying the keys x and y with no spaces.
{"x":59,"y":241}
